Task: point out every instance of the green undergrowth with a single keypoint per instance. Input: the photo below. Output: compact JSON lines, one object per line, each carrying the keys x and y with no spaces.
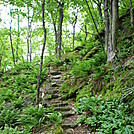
{"x":105,"y":99}
{"x":105,"y":116}
{"x":18,"y":113}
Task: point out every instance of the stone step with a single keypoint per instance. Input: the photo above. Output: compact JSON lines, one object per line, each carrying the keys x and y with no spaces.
{"x":56,"y":77}
{"x":62,"y":108}
{"x":57,"y":81}
{"x":68,"y":125}
{"x":52,"y":96}
{"x":60,"y":104}
{"x":55,"y":72}
{"x":54,"y":84}
{"x":51,"y":91}
{"x":54,"y":101}
{"x":68,"y":114}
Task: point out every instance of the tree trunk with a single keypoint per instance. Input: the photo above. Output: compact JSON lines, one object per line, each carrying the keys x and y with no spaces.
{"x":92,"y":17}
{"x":74,"y":29}
{"x":55,"y":31}
{"x":100,"y":10}
{"x":30,"y":51}
{"x":28,"y":36}
{"x":113,"y":31}
{"x":110,"y":35}
{"x":41,"y":61}
{"x":2,"y":55}
{"x":30,"y":32}
{"x":99,"y":3}
{"x":94,"y":12}
{"x":11,"y":37}
{"x":85,"y":32}
{"x":59,"y":35}
{"x":131,"y":13}
{"x":94,"y":24}
{"x":114,"y":25}
{"x":18,"y":38}
{"x":106,"y":24}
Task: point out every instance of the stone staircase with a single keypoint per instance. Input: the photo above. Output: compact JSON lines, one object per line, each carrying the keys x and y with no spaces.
{"x":51,"y":96}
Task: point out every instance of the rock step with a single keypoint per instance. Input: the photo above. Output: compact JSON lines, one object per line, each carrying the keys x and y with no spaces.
{"x":52,"y":96}
{"x":56,"y":77}
{"x":51,"y":91}
{"x":60,"y":104}
{"x":68,"y":114}
{"x":57,"y":81}
{"x":55,"y":72}
{"x":68,"y":125}
{"x":54,"y":101}
{"x":62,"y":108}
{"x":54,"y":84}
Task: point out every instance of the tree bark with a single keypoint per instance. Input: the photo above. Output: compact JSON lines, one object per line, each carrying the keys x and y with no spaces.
{"x":131,"y":13}
{"x":30,"y":32}
{"x":30,"y":50}
{"x":2,"y":54}
{"x":28,"y":36}
{"x":106,"y":24}
{"x":94,"y":24}
{"x":18,"y":38}
{"x":114,"y":25}
{"x":55,"y":31}
{"x":92,"y":17}
{"x":59,"y":35}
{"x":98,"y":3}
{"x":113,"y":31}
{"x":75,"y":21}
{"x":94,"y":12}
{"x":11,"y":37}
{"x":85,"y":32}
{"x":41,"y":61}
{"x":110,"y":35}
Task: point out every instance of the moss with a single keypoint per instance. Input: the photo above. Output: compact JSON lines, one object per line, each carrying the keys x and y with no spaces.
{"x":58,"y":130}
{"x":65,"y":87}
{"x":90,"y":53}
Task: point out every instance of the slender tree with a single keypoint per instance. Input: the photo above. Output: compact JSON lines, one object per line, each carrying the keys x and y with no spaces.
{"x":92,"y":17}
{"x":74,"y":23}
{"x":55,"y":30}
{"x":59,"y":35}
{"x":131,"y":13}
{"x":114,"y":25}
{"x":99,"y":5}
{"x":28,"y":34}
{"x":2,"y":53}
{"x":113,"y":30}
{"x":106,"y":24}
{"x":18,"y":37}
{"x":85,"y":32}
{"x":43,"y":48}
{"x":30,"y":49}
{"x":94,"y":23}
{"x":11,"y":37}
